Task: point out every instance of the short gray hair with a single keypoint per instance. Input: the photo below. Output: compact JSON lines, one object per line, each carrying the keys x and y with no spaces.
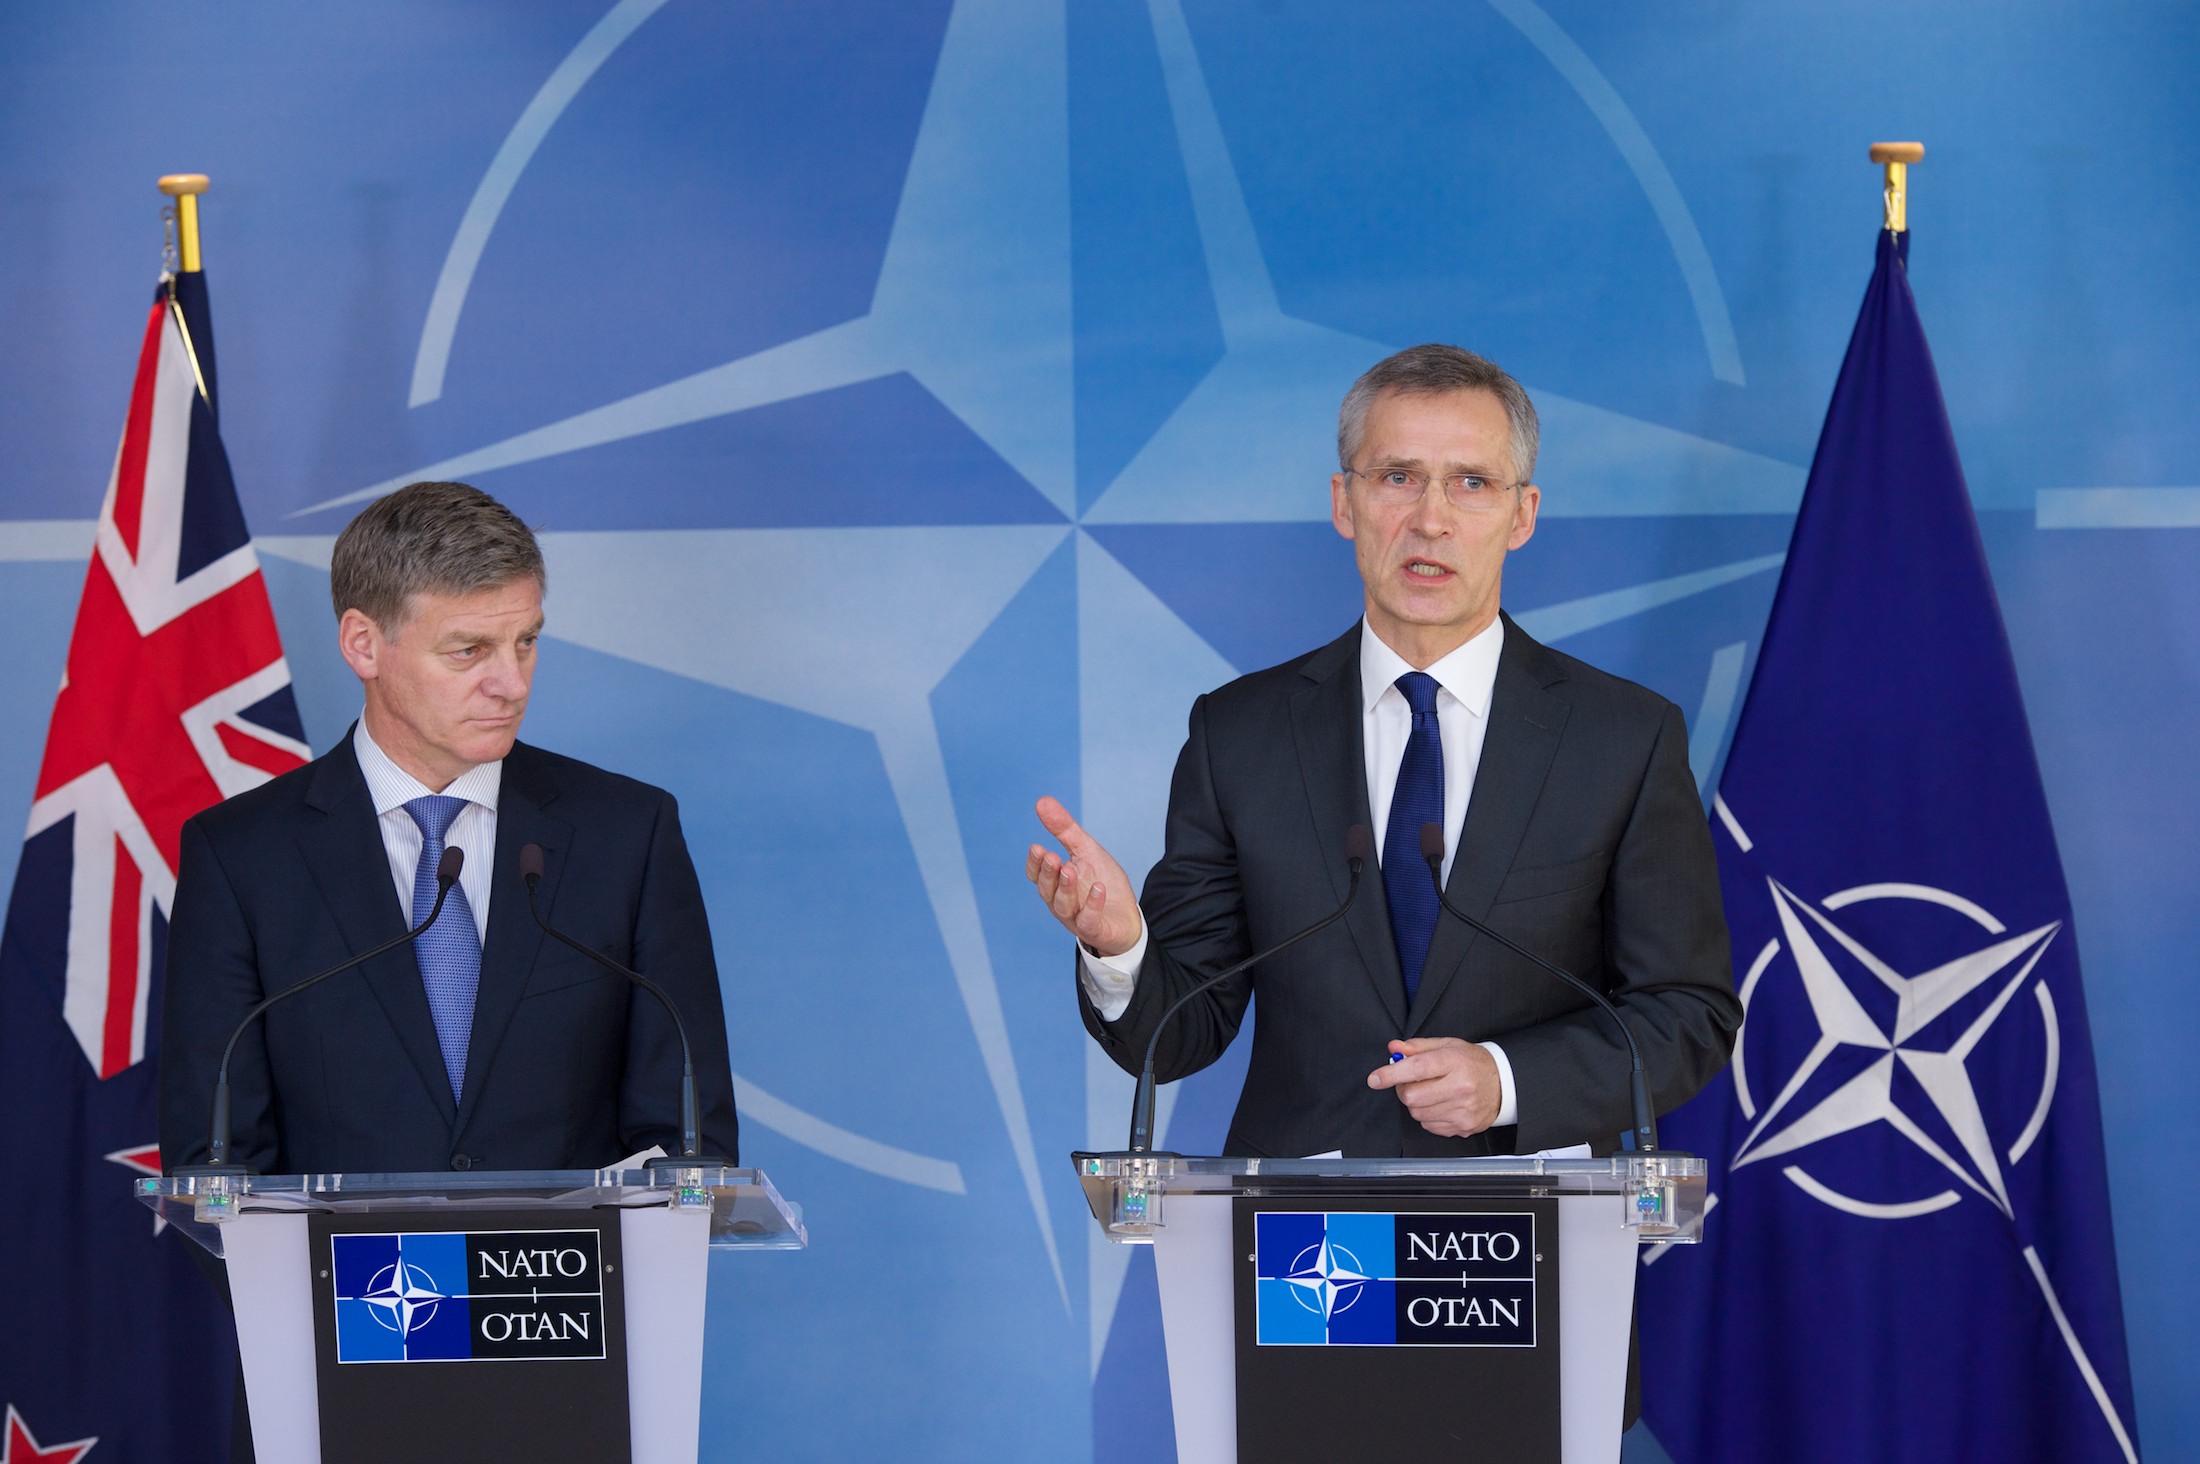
{"x":429,"y":538}
{"x":1429,"y":371}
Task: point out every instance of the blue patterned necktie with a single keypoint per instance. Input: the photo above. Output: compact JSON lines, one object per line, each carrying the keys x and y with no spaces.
{"x":450,"y":951}
{"x":1418,"y":799}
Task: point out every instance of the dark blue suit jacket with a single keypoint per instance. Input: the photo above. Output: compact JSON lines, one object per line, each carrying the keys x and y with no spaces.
{"x":569,"y":1067}
{"x":1584,"y":840}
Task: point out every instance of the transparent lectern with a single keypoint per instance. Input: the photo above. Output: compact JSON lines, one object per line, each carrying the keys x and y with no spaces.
{"x":1376,"y":1296}
{"x":554,"y":1278}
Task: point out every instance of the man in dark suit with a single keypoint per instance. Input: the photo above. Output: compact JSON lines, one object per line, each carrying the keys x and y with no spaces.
{"x":481,"y":1044}
{"x":1571,"y":824}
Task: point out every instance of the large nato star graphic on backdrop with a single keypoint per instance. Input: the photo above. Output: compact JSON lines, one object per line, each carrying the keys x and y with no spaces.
{"x":974,"y":302}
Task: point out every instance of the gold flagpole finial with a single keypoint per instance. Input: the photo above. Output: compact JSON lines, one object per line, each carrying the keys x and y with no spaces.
{"x":1898,"y":156}
{"x":185,"y":189}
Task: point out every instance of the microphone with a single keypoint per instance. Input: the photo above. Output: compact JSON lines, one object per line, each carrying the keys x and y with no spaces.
{"x":217,"y":1149}
{"x":1359,"y":845}
{"x":691,"y":1144}
{"x":1644,"y":1137}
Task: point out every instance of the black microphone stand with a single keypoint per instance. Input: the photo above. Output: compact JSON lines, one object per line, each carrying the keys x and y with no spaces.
{"x":1644,"y":1136}
{"x":1358,"y":844}
{"x":217,"y":1149}
{"x":691,"y":1153}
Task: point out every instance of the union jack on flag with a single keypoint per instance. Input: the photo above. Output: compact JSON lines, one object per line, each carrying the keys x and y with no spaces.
{"x":176,"y":695}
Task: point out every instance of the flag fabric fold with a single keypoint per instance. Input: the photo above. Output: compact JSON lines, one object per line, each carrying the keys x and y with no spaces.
{"x":1909,"y":1256}
{"x":176,"y":695}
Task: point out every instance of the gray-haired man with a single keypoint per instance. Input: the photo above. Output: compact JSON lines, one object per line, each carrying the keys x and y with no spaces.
{"x":1570,"y":823}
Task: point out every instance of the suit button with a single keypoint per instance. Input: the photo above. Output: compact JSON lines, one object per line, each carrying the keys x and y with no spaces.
{"x":462,"y":1161}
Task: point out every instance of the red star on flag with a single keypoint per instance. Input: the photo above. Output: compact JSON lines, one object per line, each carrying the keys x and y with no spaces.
{"x":21,"y":1448}
{"x":145,"y":1159}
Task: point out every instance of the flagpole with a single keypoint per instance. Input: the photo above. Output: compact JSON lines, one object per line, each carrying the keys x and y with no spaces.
{"x":1897,"y":156}
{"x":185,"y":189}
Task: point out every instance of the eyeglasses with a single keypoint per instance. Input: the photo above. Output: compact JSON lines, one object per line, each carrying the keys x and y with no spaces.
{"x":1400,"y":487}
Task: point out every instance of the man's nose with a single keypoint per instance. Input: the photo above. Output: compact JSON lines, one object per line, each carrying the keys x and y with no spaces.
{"x":504,"y":677}
{"x":1431,"y":517}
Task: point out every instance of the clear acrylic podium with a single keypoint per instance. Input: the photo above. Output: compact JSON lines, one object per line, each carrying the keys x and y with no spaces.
{"x":1607,"y":1209}
{"x":669,"y":1220}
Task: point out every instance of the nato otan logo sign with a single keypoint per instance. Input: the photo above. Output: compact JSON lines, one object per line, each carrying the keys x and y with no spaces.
{"x":450,"y":1296}
{"x":1387,"y":1280}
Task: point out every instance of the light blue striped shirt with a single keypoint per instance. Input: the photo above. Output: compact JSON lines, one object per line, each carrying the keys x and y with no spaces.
{"x":474,"y":830}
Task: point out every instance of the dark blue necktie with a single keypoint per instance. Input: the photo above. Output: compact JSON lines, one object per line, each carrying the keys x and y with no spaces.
{"x":1418,"y":799}
{"x":450,"y":951}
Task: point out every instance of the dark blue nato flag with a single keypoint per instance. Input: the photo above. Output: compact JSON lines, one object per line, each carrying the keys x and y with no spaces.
{"x":1909,"y":1255}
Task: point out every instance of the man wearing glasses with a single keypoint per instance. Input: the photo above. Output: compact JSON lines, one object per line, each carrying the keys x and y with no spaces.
{"x":1570,"y":819}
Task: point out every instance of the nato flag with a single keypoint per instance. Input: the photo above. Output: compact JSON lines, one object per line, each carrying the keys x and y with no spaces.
{"x":1909,"y":1255}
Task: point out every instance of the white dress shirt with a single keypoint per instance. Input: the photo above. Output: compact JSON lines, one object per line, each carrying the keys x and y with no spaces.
{"x":1465,"y":679}
{"x":474,"y":830}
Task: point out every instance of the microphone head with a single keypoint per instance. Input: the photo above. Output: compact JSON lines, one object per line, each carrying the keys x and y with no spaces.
{"x":447,"y":868}
{"x":530,"y":862}
{"x":1432,"y":842}
{"x":1359,"y":844}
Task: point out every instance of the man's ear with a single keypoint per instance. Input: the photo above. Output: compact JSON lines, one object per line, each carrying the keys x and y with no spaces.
{"x":1340,"y":504}
{"x":360,"y":641}
{"x":1524,"y":512}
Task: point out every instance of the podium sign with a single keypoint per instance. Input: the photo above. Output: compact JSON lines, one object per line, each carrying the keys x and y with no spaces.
{"x":494,"y":1334}
{"x":1348,"y":1308}
{"x":479,"y":1316}
{"x":1369,"y":1331}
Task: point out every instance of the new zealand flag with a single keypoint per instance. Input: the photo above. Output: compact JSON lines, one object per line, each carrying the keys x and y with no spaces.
{"x":175,"y":697}
{"x":1909,"y":1258}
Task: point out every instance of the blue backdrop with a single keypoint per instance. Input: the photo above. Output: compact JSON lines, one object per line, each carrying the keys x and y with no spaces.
{"x":923,"y":401}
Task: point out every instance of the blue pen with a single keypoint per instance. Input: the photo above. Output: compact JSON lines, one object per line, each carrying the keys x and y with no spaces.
{"x":1397,"y":1057}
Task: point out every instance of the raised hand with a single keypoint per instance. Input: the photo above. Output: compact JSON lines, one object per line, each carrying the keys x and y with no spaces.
{"x":1087,"y":891}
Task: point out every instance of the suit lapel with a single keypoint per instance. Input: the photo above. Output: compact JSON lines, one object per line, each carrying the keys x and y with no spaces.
{"x":1526,"y":724}
{"x":1325,"y":720}
{"x":508,"y":956}
{"x":343,"y":851}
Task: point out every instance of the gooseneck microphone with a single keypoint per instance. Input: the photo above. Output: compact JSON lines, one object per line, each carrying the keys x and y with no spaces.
{"x":1645,"y":1135}
{"x":217,"y":1148}
{"x":1359,"y":845}
{"x":691,"y":1143}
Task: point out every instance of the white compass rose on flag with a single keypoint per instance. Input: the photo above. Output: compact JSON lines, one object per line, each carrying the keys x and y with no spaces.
{"x":1935,"y":1053}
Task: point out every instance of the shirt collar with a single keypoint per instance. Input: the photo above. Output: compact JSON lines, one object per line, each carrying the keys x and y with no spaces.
{"x":1468,"y":673}
{"x":392,"y":787}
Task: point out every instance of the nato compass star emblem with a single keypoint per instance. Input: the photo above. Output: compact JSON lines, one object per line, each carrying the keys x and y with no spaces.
{"x":402,"y":1298}
{"x":1326,"y":1279}
{"x":1848,"y":1079}
{"x":974,"y":302}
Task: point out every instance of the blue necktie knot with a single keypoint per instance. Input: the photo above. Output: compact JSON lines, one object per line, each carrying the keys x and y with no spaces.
{"x":434,"y":814}
{"x":1419,"y":689}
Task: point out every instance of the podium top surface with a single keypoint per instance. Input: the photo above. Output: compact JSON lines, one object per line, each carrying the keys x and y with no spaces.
{"x":747,"y":1211}
{"x":1615,"y":1175}
{"x":1665,"y":1190}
